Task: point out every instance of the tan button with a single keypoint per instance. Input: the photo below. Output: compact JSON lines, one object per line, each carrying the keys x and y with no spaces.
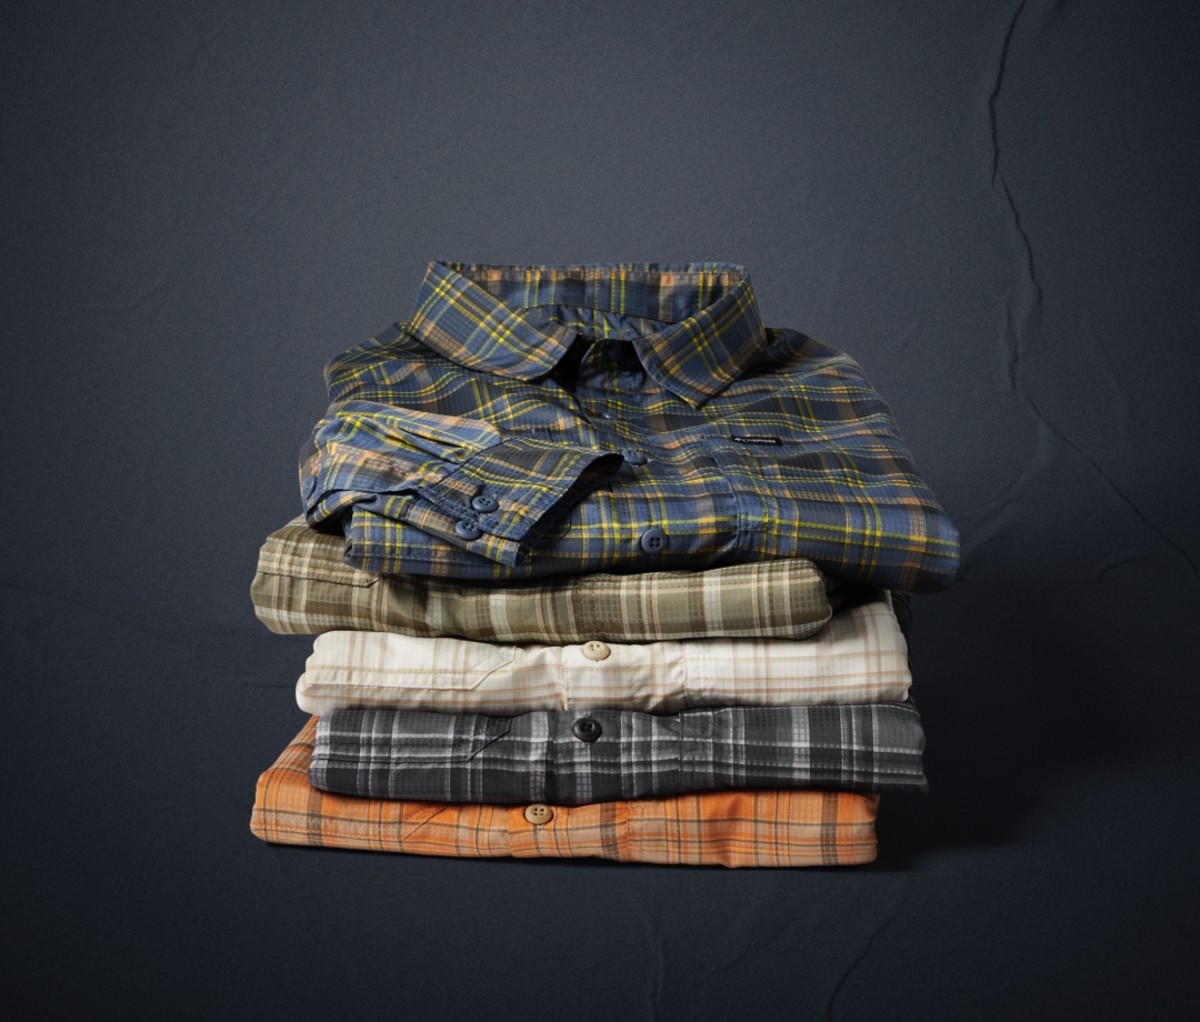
{"x":596,"y":650}
{"x":537,"y":814}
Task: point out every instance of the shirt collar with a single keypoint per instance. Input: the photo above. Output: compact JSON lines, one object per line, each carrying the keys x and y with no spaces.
{"x":498,"y":319}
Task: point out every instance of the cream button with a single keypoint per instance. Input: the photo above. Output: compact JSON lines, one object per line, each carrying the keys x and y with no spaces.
{"x":596,"y":650}
{"x":537,"y":814}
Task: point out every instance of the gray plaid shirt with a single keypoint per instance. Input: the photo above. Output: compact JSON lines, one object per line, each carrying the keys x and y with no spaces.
{"x":576,"y":758}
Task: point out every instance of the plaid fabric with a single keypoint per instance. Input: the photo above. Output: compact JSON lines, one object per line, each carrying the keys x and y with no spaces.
{"x":740,"y":828}
{"x":544,"y":420}
{"x":302,"y":586}
{"x":604,"y":755}
{"x":860,"y":656}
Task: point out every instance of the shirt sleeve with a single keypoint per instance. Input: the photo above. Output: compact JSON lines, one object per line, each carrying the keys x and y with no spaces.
{"x":459,"y":480}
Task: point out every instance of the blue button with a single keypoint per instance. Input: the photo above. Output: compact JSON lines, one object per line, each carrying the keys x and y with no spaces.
{"x":653,"y":540}
{"x":467,"y":530}
{"x":633,"y":457}
{"x":484,"y":503}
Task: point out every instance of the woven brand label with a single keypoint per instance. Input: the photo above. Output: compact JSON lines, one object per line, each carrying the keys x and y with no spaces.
{"x":757,"y":439}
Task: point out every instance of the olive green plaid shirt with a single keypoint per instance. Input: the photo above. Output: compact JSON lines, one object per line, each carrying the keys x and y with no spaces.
{"x":540,"y":420}
{"x":302,"y":586}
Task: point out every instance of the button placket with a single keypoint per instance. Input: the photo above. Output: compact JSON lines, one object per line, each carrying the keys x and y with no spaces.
{"x":696,"y":745}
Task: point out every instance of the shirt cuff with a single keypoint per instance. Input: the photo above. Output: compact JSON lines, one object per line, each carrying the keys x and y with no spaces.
{"x":497,"y":503}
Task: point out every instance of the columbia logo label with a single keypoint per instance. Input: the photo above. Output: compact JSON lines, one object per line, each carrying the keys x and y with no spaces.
{"x":757,"y":439}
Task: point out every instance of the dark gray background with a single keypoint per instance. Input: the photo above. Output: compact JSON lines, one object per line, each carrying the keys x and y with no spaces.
{"x":992,"y":206}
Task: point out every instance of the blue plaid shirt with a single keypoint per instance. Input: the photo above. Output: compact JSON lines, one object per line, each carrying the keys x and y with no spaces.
{"x":537,"y":420}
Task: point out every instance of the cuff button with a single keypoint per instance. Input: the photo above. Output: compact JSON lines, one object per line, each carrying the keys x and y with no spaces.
{"x":467,"y":530}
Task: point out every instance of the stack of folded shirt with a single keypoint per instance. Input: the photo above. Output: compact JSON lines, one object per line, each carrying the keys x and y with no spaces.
{"x":600,"y":566}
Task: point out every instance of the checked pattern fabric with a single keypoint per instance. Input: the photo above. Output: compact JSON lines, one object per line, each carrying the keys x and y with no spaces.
{"x":302,"y":586}
{"x":860,"y":656}
{"x":738,"y":828}
{"x":605,"y":755}
{"x":529,"y":421}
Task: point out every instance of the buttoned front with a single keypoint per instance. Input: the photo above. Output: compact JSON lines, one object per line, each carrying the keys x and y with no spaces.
{"x":758,"y":443}
{"x":615,"y":754}
{"x":859,"y":656}
{"x":775,"y":827}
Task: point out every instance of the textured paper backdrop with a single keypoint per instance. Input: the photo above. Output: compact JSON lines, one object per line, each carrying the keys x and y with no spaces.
{"x":992,"y":206}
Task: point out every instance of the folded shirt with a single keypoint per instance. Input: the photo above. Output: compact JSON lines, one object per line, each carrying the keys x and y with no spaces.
{"x":302,"y":586}
{"x":739,"y":828}
{"x":575,"y":759}
{"x":860,"y":656}
{"x":529,"y":421}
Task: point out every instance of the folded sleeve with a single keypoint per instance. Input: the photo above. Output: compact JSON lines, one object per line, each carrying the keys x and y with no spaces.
{"x":459,"y":480}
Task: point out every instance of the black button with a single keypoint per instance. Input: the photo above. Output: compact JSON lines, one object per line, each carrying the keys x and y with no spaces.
{"x":633,"y":457}
{"x":467,"y":530}
{"x":653,"y":540}
{"x":586,"y":729}
{"x":482,"y":503}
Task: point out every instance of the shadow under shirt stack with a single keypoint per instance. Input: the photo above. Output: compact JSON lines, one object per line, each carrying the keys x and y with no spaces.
{"x":600,"y":566}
